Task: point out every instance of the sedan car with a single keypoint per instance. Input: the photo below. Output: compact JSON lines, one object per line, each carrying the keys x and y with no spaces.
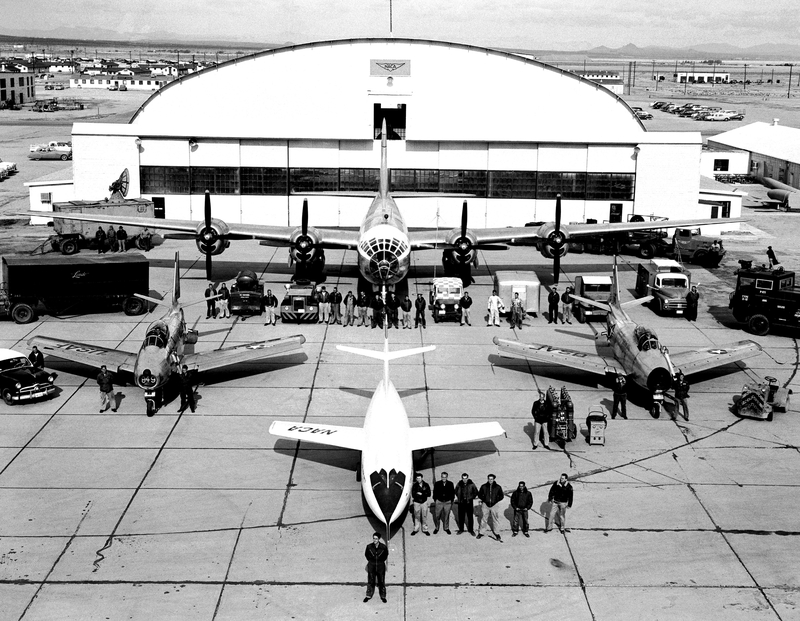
{"x":645,"y":116}
{"x":21,"y":381}
{"x":50,"y":154}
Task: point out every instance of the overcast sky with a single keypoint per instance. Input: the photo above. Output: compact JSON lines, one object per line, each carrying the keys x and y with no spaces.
{"x":539,"y":24}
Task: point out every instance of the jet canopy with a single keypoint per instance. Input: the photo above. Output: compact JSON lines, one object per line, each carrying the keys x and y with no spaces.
{"x":157,"y":336}
{"x":646,"y":339}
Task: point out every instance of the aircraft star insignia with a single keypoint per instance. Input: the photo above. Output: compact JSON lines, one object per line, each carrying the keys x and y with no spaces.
{"x":717,"y":351}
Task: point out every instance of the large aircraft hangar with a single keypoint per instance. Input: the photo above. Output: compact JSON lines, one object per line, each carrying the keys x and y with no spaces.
{"x":510,"y":132}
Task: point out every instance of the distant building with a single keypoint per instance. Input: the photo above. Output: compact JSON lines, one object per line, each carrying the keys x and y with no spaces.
{"x":137,"y":83}
{"x":609,"y":79}
{"x":17,"y":87}
{"x":701,"y":77}
{"x":773,"y":149}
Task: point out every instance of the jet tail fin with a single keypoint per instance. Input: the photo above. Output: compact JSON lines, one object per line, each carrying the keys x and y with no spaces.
{"x":602,"y":305}
{"x":386,"y":355}
{"x":176,"y":283}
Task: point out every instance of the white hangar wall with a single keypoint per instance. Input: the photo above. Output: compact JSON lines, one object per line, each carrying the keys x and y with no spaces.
{"x":467,"y":109}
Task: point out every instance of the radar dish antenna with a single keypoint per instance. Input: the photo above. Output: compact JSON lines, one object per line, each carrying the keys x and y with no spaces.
{"x":119,"y":188}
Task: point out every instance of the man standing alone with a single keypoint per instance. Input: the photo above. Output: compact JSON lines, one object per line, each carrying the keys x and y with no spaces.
{"x":620,"y":397}
{"x":419,"y":305}
{"x":692,"y":299}
{"x":376,"y":554}
{"x":349,"y":309}
{"x":187,"y":390}
{"x":443,"y":495}
{"x":210,"y":301}
{"x":406,"y":307}
{"x":104,"y":380}
{"x":552,"y":305}
{"x":490,"y":495}
{"x":495,"y":306}
{"x":270,"y":304}
{"x":560,"y":499}
{"x":466,"y":493}
{"x":420,"y":492}
{"x":465,"y":303}
{"x":541,"y":422}
{"x":521,"y":503}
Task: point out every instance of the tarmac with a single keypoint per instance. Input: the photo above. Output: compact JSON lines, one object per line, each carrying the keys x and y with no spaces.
{"x":207,"y":516}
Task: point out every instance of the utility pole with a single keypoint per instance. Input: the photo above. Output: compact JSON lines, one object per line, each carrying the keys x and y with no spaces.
{"x":390,"y":17}
{"x":744,"y":82}
{"x":789,"y":92}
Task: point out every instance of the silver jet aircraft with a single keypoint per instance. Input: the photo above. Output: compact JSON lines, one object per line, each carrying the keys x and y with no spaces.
{"x":383,"y":242}
{"x":162,"y":350}
{"x":637,"y":352}
{"x":386,"y":441}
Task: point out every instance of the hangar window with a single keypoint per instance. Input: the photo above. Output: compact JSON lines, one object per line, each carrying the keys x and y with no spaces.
{"x":413,"y":180}
{"x":512,"y":184}
{"x":314,"y":179}
{"x":215,"y":179}
{"x":604,"y":186}
{"x":359,"y":179}
{"x":571,"y":185}
{"x":2,"y":82}
{"x":269,"y":181}
{"x":463,"y":181}
{"x":721,"y":165}
{"x":164,"y":179}
{"x":395,"y":121}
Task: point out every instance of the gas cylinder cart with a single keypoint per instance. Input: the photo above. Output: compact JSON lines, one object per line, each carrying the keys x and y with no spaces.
{"x":760,"y":400}
{"x":596,"y":423}
{"x":562,"y":415}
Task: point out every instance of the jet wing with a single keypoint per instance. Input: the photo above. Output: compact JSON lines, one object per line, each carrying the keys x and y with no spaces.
{"x":332,"y":435}
{"x":695,"y":361}
{"x":210,"y":360}
{"x":275,"y":235}
{"x":428,"y":437}
{"x":427,"y":239}
{"x":90,"y":355}
{"x":557,"y":355}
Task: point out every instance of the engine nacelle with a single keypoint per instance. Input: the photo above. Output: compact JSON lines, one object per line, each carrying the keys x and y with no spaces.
{"x":213,"y":239}
{"x":191,"y":337}
{"x":462,"y":248}
{"x":550,"y":239}
{"x":303,"y":248}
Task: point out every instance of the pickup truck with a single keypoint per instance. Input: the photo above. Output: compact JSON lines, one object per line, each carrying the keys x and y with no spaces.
{"x":53,"y":145}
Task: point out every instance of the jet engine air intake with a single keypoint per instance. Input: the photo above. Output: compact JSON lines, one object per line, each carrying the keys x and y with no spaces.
{"x":659,"y":380}
{"x":388,"y":491}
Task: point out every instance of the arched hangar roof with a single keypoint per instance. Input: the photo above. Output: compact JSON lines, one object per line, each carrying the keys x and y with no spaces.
{"x":328,"y":90}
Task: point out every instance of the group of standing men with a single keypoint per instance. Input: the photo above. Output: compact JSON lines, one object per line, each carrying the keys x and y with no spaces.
{"x":463,"y":495}
{"x":370,"y":311}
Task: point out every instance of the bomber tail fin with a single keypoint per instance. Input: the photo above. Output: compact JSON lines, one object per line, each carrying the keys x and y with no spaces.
{"x":383,"y":188}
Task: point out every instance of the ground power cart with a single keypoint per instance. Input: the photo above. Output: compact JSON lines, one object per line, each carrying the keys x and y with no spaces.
{"x":562,"y":415}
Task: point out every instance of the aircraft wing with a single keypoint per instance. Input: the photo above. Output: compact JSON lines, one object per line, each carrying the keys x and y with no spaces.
{"x":90,"y":355}
{"x":332,"y":435}
{"x":695,"y":361}
{"x":557,"y":355}
{"x":428,"y":437}
{"x":427,"y":239}
{"x":273,"y":235}
{"x":210,"y":360}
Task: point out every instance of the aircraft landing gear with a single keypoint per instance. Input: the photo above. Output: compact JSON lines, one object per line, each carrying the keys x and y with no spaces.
{"x":151,"y":406}
{"x":153,"y":400}
{"x":655,"y":409}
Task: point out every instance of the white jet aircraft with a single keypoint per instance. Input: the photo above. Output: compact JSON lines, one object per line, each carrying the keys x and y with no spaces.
{"x":386,"y":441}
{"x":383,"y":242}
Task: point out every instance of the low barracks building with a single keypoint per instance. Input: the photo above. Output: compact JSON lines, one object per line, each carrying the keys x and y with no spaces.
{"x":511,"y":131}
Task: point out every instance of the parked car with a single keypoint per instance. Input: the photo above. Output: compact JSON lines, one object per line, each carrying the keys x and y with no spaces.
{"x":49,"y":153}
{"x":113,"y":87}
{"x":657,"y":105}
{"x":122,"y":87}
{"x":9,"y":167}
{"x":20,"y":380}
{"x":645,"y":116}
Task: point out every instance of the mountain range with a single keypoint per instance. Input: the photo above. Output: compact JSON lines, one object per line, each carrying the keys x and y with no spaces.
{"x":705,"y":51}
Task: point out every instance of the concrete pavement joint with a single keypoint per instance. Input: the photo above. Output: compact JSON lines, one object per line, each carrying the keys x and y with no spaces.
{"x":733,"y":550}
{"x":580,"y":578}
{"x":58,"y":559}
{"x":100,"y":557}
{"x":230,"y":562}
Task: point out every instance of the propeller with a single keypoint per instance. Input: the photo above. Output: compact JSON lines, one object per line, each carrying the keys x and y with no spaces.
{"x":209,"y":234}
{"x":556,"y":241}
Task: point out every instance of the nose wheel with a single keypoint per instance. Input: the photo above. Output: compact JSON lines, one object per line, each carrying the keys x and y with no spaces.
{"x":151,"y":406}
{"x":655,"y":409}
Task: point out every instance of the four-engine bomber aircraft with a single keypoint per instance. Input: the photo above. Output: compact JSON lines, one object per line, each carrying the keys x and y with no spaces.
{"x":386,"y":441}
{"x":383,"y":243}
{"x":637,"y":352}
{"x":163,"y":350}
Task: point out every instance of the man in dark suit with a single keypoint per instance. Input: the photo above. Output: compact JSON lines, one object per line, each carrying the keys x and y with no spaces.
{"x":376,"y":554}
